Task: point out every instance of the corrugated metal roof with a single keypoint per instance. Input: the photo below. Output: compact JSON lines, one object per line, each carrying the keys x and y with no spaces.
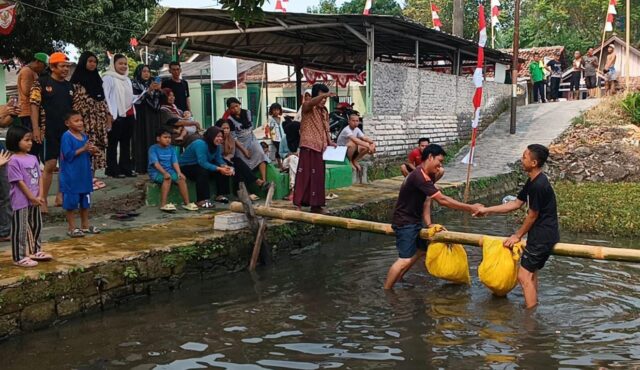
{"x":319,"y":41}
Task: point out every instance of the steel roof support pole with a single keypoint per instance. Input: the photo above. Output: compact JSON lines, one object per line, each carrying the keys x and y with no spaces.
{"x":417,"y":54}
{"x":457,"y":62}
{"x":298,"y":70}
{"x":370,"y":59}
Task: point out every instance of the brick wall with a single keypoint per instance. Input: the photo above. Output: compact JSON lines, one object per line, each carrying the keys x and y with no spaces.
{"x":410,"y":103}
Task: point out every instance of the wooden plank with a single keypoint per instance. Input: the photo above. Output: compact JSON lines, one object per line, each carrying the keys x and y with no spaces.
{"x":262,"y":228}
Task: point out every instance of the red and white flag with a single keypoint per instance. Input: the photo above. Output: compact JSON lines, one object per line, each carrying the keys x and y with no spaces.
{"x":477,"y":81}
{"x":281,"y":5}
{"x":367,"y":7}
{"x":495,"y":12}
{"x":610,"y":15}
{"x":435,"y":18}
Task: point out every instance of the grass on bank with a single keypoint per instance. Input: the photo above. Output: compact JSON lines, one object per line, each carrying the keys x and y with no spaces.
{"x":601,"y":208}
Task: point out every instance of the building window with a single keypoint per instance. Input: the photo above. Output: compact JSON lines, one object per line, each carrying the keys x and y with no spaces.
{"x":287,"y":101}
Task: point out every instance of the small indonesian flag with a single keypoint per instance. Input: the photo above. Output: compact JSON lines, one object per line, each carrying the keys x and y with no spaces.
{"x":495,"y":12}
{"x":367,"y":7}
{"x":281,"y":6}
{"x":434,"y":16}
{"x":610,"y":15}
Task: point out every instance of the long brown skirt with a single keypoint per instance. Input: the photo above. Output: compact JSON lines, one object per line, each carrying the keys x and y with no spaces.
{"x":309,"y":189}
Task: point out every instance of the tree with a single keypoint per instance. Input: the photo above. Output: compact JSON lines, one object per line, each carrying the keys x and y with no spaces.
{"x":103,"y":24}
{"x":325,"y":7}
{"x":383,"y":7}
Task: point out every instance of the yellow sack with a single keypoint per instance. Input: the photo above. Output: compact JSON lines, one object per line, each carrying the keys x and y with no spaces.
{"x":449,"y":262}
{"x":499,"y":268}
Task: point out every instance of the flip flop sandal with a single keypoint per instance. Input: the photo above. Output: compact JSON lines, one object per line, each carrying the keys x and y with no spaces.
{"x":98,"y":184}
{"x":132,"y":214}
{"x":223,"y":200}
{"x":206,"y":205}
{"x":121,"y":217}
{"x":168,"y":208}
{"x":41,"y":256}
{"x":26,"y":262}
{"x":75,"y":233}
{"x":92,"y":230}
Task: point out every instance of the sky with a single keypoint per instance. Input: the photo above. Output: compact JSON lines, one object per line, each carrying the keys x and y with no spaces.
{"x":294,"y":6}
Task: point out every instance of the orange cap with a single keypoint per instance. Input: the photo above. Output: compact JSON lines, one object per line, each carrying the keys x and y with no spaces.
{"x":58,"y":57}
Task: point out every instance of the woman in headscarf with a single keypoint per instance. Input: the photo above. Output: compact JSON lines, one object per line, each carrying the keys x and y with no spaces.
{"x":242,"y":130}
{"x":89,"y":101}
{"x":147,"y":115}
{"x":119,"y":96}
{"x":183,"y":124}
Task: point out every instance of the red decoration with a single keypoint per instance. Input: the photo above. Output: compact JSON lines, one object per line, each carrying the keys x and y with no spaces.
{"x":7,"y":19}
{"x":342,"y":79}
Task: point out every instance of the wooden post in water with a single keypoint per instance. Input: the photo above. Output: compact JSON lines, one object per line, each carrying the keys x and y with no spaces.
{"x":257,"y":226}
{"x":560,"y":249}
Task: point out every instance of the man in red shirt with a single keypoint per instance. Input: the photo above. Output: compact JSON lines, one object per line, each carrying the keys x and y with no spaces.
{"x":415,"y":157}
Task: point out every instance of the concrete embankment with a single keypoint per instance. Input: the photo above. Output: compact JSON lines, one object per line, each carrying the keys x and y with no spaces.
{"x":99,"y":272}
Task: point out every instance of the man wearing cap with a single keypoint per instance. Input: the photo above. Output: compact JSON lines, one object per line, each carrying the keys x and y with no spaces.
{"x":26,"y":77}
{"x":51,"y":100}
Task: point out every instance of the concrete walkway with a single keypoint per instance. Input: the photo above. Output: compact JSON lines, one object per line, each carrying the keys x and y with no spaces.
{"x":496,"y":149}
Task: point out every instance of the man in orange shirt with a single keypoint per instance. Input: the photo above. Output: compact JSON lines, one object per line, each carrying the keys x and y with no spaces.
{"x":26,"y":77}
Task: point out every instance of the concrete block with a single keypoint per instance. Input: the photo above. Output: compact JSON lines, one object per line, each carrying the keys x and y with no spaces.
{"x":230,"y":221}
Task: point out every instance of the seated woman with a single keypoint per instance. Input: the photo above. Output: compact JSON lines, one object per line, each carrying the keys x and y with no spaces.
{"x":201,"y":161}
{"x":242,"y":130}
{"x":243,"y":172}
{"x":185,"y":125}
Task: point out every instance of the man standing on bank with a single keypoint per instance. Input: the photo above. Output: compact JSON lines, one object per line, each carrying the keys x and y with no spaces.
{"x":179,"y":87}
{"x":412,"y":213}
{"x":314,"y":139}
{"x":541,"y":224}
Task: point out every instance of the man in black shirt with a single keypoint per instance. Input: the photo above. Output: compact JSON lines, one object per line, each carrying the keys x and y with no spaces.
{"x":51,"y":99}
{"x":179,"y":87}
{"x":412,"y":213}
{"x":541,"y":224}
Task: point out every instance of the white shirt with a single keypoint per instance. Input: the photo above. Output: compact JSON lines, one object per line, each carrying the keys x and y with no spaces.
{"x":347,"y":133}
{"x":110,"y":95}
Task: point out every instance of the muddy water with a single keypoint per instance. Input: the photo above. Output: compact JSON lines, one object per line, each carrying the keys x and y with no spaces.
{"x":325,"y":309}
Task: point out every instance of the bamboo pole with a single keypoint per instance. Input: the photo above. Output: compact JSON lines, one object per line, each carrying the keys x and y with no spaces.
{"x":627,"y":60}
{"x":262,"y":228}
{"x":560,"y":249}
{"x":598,"y":70}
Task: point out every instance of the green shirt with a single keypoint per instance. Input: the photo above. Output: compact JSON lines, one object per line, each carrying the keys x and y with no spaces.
{"x":536,"y":71}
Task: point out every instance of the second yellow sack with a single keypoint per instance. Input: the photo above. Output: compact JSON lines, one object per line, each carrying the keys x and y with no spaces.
{"x":449,"y":262}
{"x":499,"y":268}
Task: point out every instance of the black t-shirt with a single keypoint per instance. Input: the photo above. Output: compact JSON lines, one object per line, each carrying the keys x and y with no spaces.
{"x":180,"y":90}
{"x":57,"y":102}
{"x":556,"y":68}
{"x":414,"y":191}
{"x":541,"y":198}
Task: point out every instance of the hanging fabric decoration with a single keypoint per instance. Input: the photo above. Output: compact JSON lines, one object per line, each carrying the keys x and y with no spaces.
{"x":477,"y":96}
{"x":611,"y":12}
{"x":341,"y":79}
{"x":435,"y":18}
{"x":367,"y":7}
{"x":495,"y":12}
{"x":7,"y":19}
{"x":281,"y":5}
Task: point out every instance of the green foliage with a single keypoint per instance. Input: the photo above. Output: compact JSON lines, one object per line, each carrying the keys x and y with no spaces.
{"x":112,"y":25}
{"x":130,"y":273}
{"x":384,"y":7}
{"x":76,"y":269}
{"x":607,"y":209}
{"x":245,"y":12}
{"x":631,"y":105}
{"x":170,"y":261}
{"x":452,"y":150}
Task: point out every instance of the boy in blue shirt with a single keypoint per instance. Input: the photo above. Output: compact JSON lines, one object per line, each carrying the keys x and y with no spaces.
{"x":76,"y":177}
{"x":163,"y":169}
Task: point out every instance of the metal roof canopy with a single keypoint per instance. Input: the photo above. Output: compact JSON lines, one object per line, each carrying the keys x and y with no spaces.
{"x":340,"y":43}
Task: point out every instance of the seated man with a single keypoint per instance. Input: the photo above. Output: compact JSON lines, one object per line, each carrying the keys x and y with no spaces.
{"x":415,"y":157}
{"x":357,"y":144}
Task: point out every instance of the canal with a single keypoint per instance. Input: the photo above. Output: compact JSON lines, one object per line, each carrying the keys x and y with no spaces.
{"x":325,"y":308}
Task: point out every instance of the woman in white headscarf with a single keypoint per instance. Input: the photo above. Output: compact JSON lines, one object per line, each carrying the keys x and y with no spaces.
{"x":119,"y":96}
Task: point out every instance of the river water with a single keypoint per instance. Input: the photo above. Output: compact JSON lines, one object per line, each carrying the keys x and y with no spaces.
{"x":326,"y":309}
